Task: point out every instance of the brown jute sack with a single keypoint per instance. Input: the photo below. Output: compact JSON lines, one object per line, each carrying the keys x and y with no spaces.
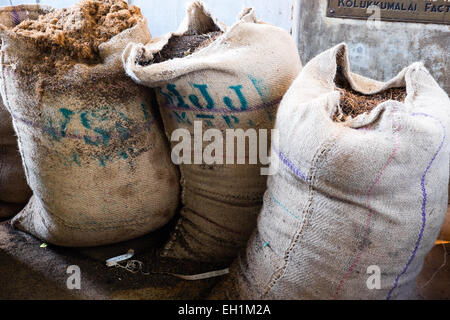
{"x":14,"y":190}
{"x":94,"y":154}
{"x":235,"y":81}
{"x":355,"y":206}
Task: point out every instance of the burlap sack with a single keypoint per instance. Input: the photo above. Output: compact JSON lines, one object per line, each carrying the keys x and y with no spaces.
{"x":236,"y":82}
{"x":354,"y":202}
{"x":14,"y":190}
{"x":94,"y":154}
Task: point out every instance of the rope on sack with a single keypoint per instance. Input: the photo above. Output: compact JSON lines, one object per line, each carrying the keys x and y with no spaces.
{"x":136,"y":266}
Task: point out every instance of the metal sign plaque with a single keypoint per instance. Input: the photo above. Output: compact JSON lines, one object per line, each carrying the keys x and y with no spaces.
{"x":422,"y":11}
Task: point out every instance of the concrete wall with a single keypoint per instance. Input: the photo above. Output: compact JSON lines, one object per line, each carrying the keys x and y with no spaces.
{"x":165,"y":15}
{"x":376,"y":53}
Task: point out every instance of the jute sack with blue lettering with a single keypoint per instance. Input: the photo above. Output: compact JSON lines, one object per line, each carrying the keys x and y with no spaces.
{"x":14,"y":190}
{"x":355,"y":206}
{"x":95,"y":156}
{"x":235,"y":81}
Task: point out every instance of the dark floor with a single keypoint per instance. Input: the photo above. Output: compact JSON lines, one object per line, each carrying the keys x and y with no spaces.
{"x":28,"y":271}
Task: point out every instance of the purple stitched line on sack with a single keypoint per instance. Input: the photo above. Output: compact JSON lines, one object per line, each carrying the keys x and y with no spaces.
{"x":369,"y":207}
{"x":424,"y":204}
{"x":204,"y":110}
{"x":289,"y":164}
{"x":15,"y":17}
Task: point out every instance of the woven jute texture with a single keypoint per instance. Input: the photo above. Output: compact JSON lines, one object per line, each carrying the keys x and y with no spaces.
{"x":95,"y":156}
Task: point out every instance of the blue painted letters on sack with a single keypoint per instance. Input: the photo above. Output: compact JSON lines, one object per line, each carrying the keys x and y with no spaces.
{"x":203,"y":88}
{"x":186,"y":107}
{"x":96,"y":128}
{"x":173,"y":97}
{"x":229,"y":103}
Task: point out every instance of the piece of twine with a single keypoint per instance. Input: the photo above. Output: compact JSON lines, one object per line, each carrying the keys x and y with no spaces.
{"x":133,"y":266}
{"x":439,"y":269}
{"x":136,"y":266}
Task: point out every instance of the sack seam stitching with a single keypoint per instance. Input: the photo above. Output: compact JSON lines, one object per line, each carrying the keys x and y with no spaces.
{"x":320,"y":155}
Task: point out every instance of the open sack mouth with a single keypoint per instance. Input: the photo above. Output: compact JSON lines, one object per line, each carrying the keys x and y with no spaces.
{"x":183,"y":46}
{"x":359,"y":95}
{"x":354,"y":103}
{"x":198,"y":31}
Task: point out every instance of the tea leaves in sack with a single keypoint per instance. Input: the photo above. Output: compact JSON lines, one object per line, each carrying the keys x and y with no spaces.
{"x":207,"y":76}
{"x":94,"y":153}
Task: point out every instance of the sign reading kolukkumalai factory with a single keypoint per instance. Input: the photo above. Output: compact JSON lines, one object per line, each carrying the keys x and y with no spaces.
{"x":422,"y":11}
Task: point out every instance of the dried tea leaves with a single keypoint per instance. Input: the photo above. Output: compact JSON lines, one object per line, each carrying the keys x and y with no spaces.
{"x":185,"y":45}
{"x":354,"y":103}
{"x":75,"y":33}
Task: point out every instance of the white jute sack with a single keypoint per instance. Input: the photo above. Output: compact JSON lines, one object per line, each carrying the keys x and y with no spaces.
{"x":95,"y":156}
{"x":352,"y":202}
{"x":236,"y":82}
{"x":14,"y":190}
